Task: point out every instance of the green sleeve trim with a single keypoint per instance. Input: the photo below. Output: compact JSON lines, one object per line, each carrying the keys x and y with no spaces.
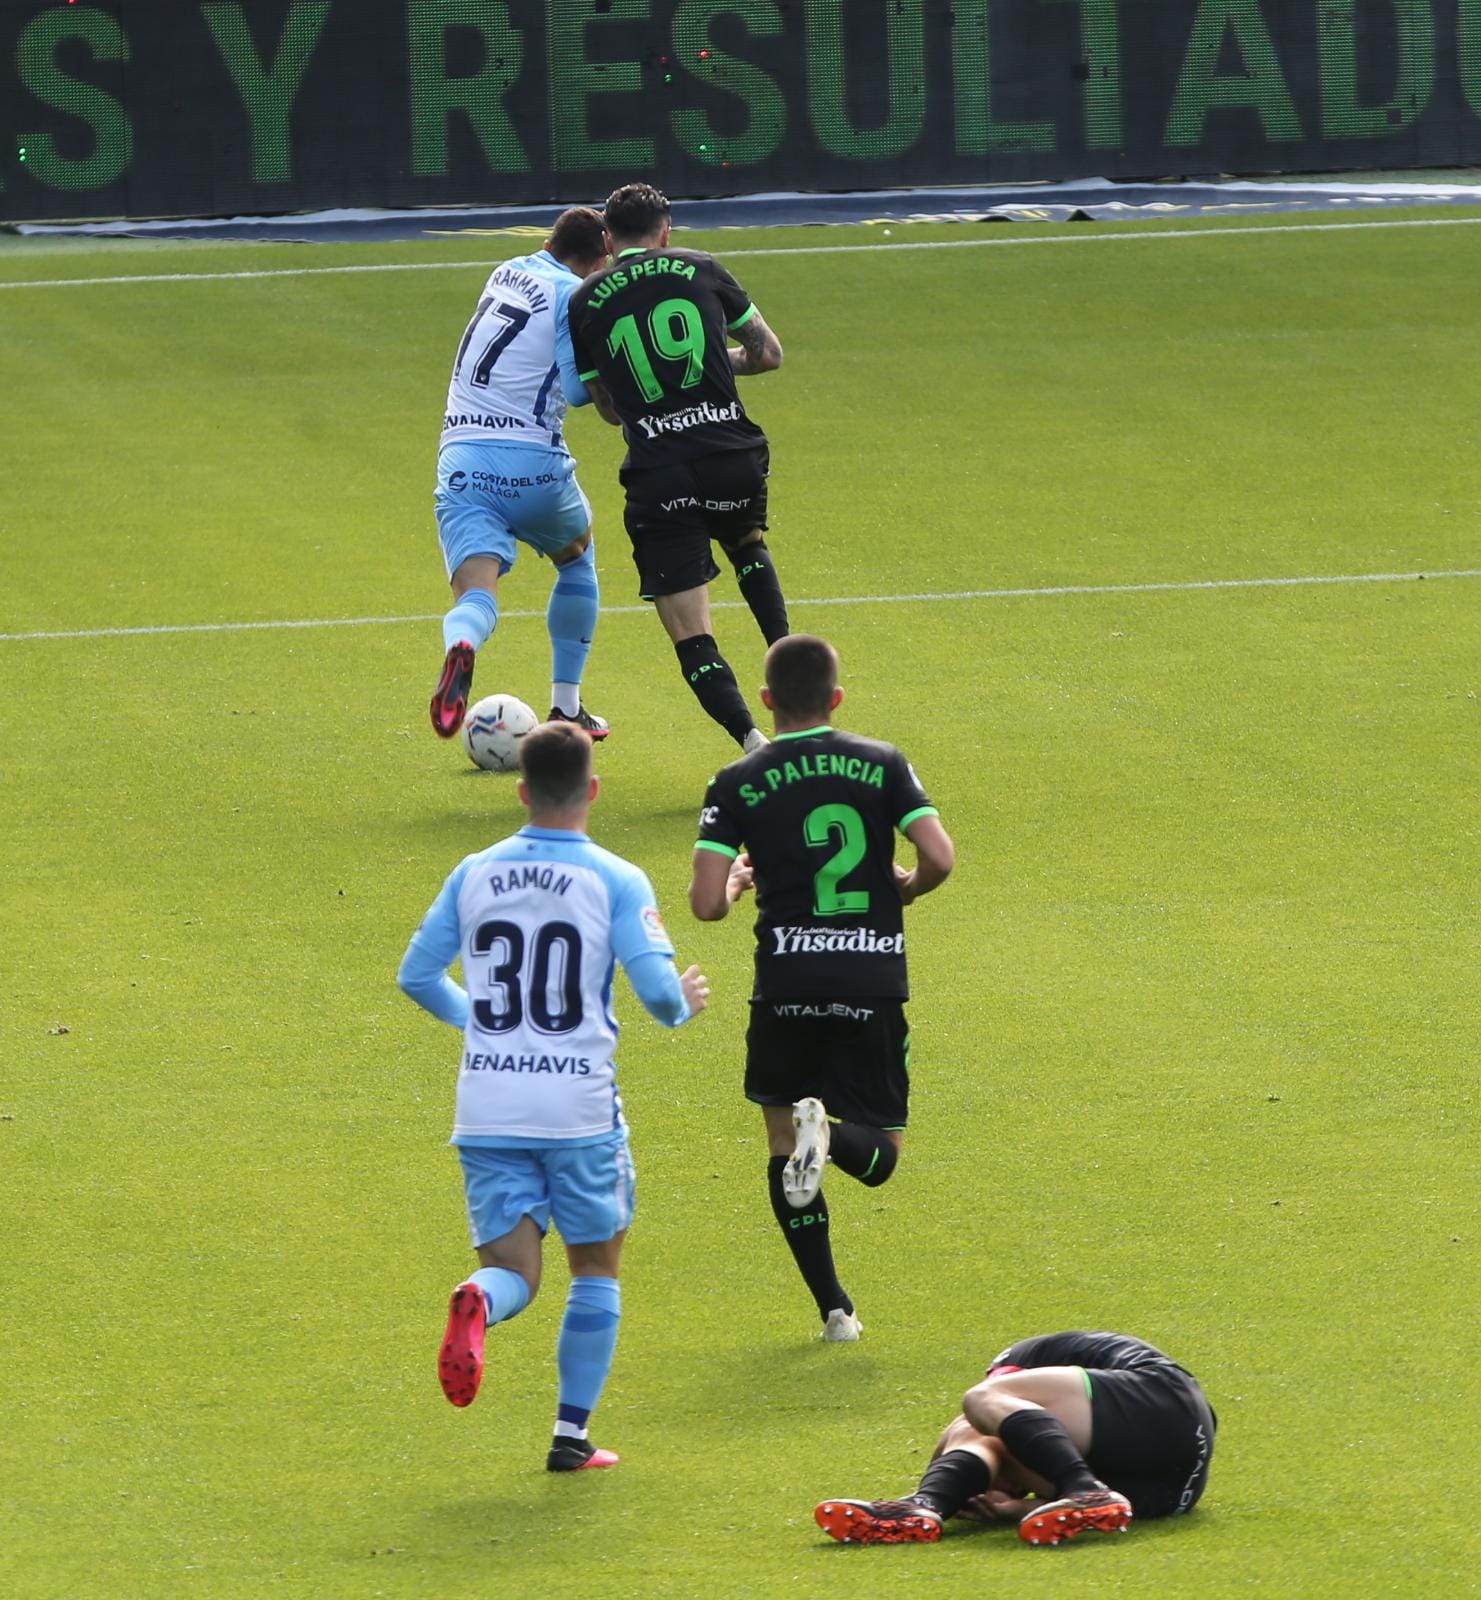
{"x":743,"y":318}
{"x":585,"y":375}
{"x":915,"y":816}
{"x":719,"y":849}
{"x":1089,"y":1392}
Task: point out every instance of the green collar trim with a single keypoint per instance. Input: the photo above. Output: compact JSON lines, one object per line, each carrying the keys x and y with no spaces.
{"x":636,"y":250}
{"x":803,"y":733}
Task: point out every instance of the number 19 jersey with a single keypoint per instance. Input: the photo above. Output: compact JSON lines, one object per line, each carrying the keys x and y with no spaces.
{"x":817,"y":812}
{"x":540,"y":919}
{"x":654,"y":328}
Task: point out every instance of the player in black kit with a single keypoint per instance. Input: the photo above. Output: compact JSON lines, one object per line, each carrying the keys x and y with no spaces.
{"x":809,"y":821}
{"x":1096,"y":1427}
{"x":651,"y":337}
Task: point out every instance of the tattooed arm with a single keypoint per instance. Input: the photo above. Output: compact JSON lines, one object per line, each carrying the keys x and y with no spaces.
{"x":760,"y":349}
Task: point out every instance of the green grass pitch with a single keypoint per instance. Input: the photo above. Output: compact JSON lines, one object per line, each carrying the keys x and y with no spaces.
{"x":1195,"y":1021}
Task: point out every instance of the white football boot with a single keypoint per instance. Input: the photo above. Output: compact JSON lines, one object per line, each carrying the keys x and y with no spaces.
{"x":842,"y":1327}
{"x":803,"y":1174}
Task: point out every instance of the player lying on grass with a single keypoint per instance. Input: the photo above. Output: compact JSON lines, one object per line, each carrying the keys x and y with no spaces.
{"x":539,"y":921}
{"x":1069,"y":1433}
{"x":505,"y":476}
{"x":652,"y":335}
{"x":809,"y":821}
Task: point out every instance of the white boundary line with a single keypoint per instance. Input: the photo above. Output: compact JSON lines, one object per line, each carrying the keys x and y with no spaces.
{"x":738,"y":605}
{"x":1073,"y":235}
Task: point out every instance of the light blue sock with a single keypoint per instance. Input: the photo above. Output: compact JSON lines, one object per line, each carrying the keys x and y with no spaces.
{"x":571,"y":616}
{"x":505,"y":1293}
{"x":583,"y":1353}
{"x":471,"y":620}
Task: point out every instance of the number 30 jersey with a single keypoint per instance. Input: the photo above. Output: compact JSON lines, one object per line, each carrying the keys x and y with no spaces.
{"x":540,"y":919}
{"x":817,"y":812}
{"x":653,"y":327}
{"x":515,"y":371}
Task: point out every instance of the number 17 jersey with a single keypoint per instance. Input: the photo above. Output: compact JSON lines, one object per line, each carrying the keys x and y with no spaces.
{"x":514,"y":372}
{"x":817,"y":811}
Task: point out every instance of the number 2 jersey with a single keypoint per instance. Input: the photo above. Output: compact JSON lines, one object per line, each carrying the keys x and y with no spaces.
{"x":817,"y":811}
{"x":515,"y":371}
{"x":654,"y":328}
{"x":539,"y":920}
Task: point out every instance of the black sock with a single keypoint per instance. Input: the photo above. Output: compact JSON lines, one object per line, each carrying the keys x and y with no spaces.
{"x":867,"y":1154}
{"x":708,"y":673}
{"x":951,"y":1480}
{"x":1040,"y":1442}
{"x":760,"y":588}
{"x":806,"y":1233}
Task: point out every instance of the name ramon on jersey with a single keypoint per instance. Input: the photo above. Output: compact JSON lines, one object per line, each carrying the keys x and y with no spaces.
{"x":551,"y":879}
{"x":836,"y":941}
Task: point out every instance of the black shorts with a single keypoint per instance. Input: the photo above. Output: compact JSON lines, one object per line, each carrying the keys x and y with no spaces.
{"x":673,"y":512}
{"x":853,"y":1055}
{"x":1152,"y":1436}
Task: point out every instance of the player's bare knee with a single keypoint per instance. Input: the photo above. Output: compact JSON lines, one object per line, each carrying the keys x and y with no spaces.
{"x":601,"y":1258}
{"x":954,"y":1435}
{"x":781,"y":1137}
{"x":986,"y":1404}
{"x":573,"y":551}
{"x":478,"y":572}
{"x":520,"y":1269}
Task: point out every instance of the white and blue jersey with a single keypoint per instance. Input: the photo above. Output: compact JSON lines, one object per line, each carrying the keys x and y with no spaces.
{"x":515,"y":371}
{"x":504,"y":474}
{"x":540,"y":921}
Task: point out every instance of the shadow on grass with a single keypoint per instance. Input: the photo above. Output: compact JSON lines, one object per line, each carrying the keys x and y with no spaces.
{"x":792,"y":1384}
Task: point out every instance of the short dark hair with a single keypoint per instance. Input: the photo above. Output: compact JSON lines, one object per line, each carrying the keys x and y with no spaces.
{"x":577,"y":236}
{"x":802,"y":673}
{"x":555,"y":761}
{"x":636,"y":211}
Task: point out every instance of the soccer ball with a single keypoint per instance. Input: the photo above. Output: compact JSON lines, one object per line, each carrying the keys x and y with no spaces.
{"x":492,"y":731}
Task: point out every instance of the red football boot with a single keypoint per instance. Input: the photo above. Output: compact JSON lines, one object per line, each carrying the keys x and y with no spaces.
{"x":450,"y":700}
{"x":460,"y":1361}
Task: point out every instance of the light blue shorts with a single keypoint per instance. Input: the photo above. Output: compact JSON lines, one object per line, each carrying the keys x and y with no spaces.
{"x":587,"y":1189}
{"x":491,"y":495}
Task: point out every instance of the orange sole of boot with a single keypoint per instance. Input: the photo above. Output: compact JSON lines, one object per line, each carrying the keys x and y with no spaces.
{"x":460,"y":1360}
{"x":1056,"y":1523}
{"x":852,"y":1523}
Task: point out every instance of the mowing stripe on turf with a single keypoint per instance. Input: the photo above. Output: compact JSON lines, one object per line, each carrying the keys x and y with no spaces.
{"x":1188,"y":587}
{"x":782,"y":250}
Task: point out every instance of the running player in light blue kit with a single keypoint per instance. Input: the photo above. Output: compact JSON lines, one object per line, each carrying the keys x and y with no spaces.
{"x":504,"y":473}
{"x":539,"y":920}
